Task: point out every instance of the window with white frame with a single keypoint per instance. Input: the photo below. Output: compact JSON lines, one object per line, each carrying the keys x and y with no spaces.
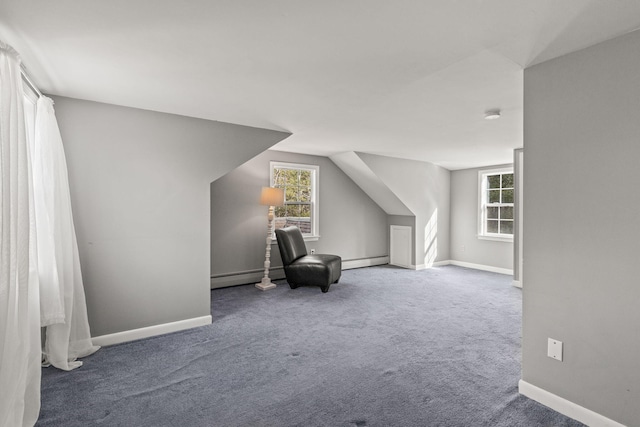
{"x":496,"y":204}
{"x":300,"y":185}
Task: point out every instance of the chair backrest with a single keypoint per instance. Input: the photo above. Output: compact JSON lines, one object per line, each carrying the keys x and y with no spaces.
{"x":291,"y":244}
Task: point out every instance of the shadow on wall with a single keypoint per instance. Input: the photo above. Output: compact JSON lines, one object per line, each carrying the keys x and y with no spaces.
{"x":431,"y":240}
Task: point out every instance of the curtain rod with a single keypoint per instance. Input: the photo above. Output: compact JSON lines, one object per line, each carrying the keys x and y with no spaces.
{"x":28,"y":81}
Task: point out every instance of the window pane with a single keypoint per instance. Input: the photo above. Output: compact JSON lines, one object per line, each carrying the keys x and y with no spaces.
{"x":492,"y":226}
{"x":305,"y":178}
{"x":493,"y":181}
{"x":506,"y":227}
{"x":507,"y":196}
{"x":304,"y":226}
{"x":291,"y":194}
{"x":507,"y":180}
{"x":291,"y":176}
{"x":506,"y":212}
{"x":293,"y":211}
{"x":280,"y":212}
{"x":494,"y":196}
{"x":279,"y":177}
{"x":305,"y":194}
{"x":492,"y":212}
{"x":305,"y":211}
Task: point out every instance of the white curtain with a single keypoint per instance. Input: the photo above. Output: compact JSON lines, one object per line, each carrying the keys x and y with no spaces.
{"x":62,"y":300}
{"x":40,"y":278}
{"x":19,"y":292}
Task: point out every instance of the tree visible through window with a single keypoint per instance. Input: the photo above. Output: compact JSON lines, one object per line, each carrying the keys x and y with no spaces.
{"x":496,"y":203}
{"x":299,"y":185}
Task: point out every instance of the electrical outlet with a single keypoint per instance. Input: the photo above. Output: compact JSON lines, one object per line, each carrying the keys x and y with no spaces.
{"x":464,"y":248}
{"x":313,"y":251}
{"x":554,"y":349}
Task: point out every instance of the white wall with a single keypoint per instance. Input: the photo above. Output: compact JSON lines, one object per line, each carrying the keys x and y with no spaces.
{"x":351,"y":224}
{"x":465,"y":245}
{"x":140,"y":194}
{"x":582,"y":228}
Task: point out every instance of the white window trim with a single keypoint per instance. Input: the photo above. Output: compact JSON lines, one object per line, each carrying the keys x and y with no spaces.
{"x":482,"y":235}
{"x":315,"y":177}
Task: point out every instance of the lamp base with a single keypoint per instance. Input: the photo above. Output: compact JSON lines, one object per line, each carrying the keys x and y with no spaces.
{"x":265,"y":285}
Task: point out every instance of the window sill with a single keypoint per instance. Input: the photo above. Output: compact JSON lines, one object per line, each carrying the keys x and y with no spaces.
{"x":306,"y":239}
{"x":496,"y":238}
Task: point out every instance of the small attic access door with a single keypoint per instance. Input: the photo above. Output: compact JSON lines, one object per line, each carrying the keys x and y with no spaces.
{"x":400,"y":246}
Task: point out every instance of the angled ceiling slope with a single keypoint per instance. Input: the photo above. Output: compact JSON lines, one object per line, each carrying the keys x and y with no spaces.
{"x":405,"y":79}
{"x":352,"y":165}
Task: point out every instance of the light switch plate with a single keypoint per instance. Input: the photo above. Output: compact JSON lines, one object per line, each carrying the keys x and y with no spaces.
{"x":554,"y":349}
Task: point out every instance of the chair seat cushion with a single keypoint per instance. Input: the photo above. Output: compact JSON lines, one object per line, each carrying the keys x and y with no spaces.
{"x":302,"y":269}
{"x":317,"y":270}
{"x":318,"y":259}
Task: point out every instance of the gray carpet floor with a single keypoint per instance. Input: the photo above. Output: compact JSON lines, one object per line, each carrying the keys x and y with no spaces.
{"x":385,"y":347}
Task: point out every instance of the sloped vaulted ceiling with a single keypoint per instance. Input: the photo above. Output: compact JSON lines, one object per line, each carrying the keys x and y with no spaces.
{"x":407,"y":79}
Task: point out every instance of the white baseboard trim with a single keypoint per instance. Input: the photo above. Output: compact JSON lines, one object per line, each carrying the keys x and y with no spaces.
{"x":517,"y":284}
{"x":460,"y":264}
{"x":410,"y":267}
{"x":364,"y":262}
{"x":150,"y":331}
{"x":441,"y":263}
{"x":566,"y":407}
{"x":482,"y":267}
{"x":433,"y":264}
{"x":422,"y":266}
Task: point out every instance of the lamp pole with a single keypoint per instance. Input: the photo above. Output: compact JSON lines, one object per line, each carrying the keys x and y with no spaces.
{"x":266,"y":283}
{"x":270,"y":197}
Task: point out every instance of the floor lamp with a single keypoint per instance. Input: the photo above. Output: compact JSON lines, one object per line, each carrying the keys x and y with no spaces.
{"x":270,"y":197}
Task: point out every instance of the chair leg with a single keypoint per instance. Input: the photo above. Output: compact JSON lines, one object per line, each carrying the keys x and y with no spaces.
{"x":325,"y":289}
{"x":292,"y":285}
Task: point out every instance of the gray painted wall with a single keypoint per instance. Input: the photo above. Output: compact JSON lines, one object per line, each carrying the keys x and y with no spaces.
{"x":581,"y":229}
{"x":351,"y":224}
{"x":425,"y":189}
{"x":518,"y":160}
{"x":465,"y":245}
{"x":140,"y":193}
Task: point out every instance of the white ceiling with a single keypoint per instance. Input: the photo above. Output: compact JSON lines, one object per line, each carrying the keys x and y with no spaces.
{"x":403,"y":78}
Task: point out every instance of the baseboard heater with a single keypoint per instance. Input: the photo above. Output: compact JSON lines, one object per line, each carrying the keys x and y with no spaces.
{"x":224,"y":280}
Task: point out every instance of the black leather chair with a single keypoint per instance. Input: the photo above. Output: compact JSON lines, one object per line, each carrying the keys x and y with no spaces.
{"x":302,"y":269}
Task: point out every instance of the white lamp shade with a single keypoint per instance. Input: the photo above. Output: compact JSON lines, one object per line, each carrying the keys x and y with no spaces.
{"x":272,"y":196}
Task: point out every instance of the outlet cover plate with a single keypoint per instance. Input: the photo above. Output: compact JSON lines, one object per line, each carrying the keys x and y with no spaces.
{"x":554,"y":349}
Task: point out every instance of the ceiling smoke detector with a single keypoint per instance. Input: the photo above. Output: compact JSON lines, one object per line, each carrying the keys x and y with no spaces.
{"x":492,"y":115}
